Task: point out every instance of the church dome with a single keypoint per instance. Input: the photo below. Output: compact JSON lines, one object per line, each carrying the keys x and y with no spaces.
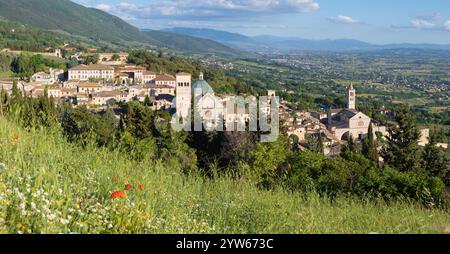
{"x":202,"y":85}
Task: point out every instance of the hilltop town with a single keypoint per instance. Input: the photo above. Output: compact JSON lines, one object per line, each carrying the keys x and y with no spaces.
{"x":108,"y":127}
{"x":112,"y":80}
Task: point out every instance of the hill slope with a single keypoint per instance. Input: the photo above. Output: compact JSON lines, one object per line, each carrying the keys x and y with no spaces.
{"x":50,"y":186}
{"x":70,"y":17}
{"x":193,"y":44}
{"x":76,"y":20}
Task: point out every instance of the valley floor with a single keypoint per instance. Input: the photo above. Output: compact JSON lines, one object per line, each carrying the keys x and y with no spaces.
{"x":50,"y":186}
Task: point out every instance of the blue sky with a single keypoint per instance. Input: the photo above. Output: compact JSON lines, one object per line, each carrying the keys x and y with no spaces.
{"x":375,"y":21}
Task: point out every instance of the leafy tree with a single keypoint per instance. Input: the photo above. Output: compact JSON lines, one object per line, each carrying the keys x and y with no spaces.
{"x":5,"y":62}
{"x":26,"y":65}
{"x":295,"y":142}
{"x":73,"y":62}
{"x":315,"y":143}
{"x":92,"y":59}
{"x":138,"y":120}
{"x":236,"y":147}
{"x":434,"y":160}
{"x":402,"y":150}
{"x":147,"y":101}
{"x":304,"y":169}
{"x":269,"y":161}
{"x":339,"y":175}
{"x":115,"y":57}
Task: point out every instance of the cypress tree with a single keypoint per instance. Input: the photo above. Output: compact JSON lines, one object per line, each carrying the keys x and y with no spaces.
{"x":3,"y":100}
{"x":147,"y":101}
{"x":369,"y":146}
{"x":15,"y":92}
{"x":321,"y":147}
{"x":351,"y":146}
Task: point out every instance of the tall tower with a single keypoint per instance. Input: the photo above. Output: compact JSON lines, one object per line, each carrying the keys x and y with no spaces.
{"x":183,"y":94}
{"x":351,"y":97}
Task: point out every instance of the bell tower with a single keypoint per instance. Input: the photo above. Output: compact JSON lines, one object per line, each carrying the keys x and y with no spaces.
{"x":183,"y":94}
{"x":351,"y":97}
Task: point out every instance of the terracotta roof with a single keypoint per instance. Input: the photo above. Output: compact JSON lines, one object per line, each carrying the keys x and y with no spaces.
{"x":165,"y":77}
{"x":108,"y":93}
{"x":92,"y":67}
{"x":130,"y":68}
{"x":122,"y":74}
{"x":89,"y":84}
{"x":149,"y":73}
{"x":183,"y":74}
{"x":69,"y":90}
{"x":157,"y":86}
{"x":41,"y":73}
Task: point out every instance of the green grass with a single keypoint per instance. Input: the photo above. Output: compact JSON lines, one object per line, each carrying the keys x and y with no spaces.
{"x":50,"y":186}
{"x":6,"y":74}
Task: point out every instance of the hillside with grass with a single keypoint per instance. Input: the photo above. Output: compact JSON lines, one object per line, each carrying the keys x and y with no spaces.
{"x":48,"y":185}
{"x":69,"y":22}
{"x":64,"y":15}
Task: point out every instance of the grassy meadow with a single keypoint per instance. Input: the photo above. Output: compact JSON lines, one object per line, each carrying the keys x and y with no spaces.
{"x":50,"y":186}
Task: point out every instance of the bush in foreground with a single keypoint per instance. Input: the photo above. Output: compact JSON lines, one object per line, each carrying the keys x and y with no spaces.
{"x":50,"y":186}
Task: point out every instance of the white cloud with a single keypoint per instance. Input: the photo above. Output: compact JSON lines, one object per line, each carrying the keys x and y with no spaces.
{"x":204,"y":9}
{"x":447,"y":25}
{"x":104,"y":7}
{"x":422,"y":24}
{"x":344,"y":20}
{"x":434,"y":21}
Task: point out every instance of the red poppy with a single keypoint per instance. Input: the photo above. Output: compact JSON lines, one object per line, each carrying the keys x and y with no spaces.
{"x":128,"y":187}
{"x":115,"y":179}
{"x":140,"y":187}
{"x":118,"y":194}
{"x":16,"y":137}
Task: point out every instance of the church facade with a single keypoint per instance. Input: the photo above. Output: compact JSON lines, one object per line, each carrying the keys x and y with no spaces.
{"x":350,"y":122}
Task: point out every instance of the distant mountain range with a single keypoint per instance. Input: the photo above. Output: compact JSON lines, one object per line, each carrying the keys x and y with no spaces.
{"x":268,"y":42}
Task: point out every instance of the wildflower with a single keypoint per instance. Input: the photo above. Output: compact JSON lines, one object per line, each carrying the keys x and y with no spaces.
{"x":16,"y":137}
{"x":140,"y":187}
{"x":118,"y":194}
{"x":115,"y":179}
{"x":51,"y":217}
{"x":128,"y":187}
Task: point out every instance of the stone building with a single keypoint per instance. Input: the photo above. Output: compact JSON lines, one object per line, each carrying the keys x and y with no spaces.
{"x":183,"y":100}
{"x":93,"y":71}
{"x":165,"y":79}
{"x":350,"y":122}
